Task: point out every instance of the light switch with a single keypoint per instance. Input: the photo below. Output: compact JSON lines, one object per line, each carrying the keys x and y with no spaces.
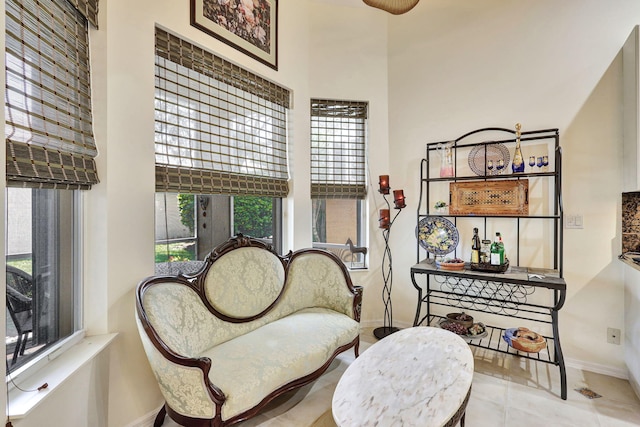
{"x":573,"y":221}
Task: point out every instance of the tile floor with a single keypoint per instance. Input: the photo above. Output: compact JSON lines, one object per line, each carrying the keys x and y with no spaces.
{"x":507,"y":391}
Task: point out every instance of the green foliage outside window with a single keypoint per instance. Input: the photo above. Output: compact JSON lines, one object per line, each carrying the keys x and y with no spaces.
{"x":186,"y":204}
{"x":253,"y":216}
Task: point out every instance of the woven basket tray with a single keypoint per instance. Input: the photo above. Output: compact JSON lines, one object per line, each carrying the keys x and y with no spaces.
{"x":508,"y":197}
{"x":485,"y":266}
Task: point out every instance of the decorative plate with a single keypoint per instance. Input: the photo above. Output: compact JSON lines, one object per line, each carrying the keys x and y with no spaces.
{"x":495,"y":152}
{"x":437,"y":235}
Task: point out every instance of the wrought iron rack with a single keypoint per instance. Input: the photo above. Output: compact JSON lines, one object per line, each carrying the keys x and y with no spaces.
{"x":511,"y":293}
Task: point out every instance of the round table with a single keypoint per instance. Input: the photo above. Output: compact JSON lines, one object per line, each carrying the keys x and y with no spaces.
{"x":418,"y":376}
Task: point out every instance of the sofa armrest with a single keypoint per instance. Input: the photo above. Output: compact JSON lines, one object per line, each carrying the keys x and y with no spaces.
{"x":183,"y":377}
{"x":184,"y":382}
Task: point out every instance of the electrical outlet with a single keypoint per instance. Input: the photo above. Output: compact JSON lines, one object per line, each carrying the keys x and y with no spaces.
{"x":613,"y":336}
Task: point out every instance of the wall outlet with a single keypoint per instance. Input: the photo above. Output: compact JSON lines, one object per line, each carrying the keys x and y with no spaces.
{"x":613,"y":336}
{"x":573,"y":221}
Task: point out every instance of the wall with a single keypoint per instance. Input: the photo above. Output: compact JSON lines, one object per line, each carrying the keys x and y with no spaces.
{"x":348,"y":61}
{"x":129,"y":140}
{"x":445,"y":68}
{"x":120,"y":233}
{"x":632,"y":326}
{"x":459,"y":66}
{"x":631,"y":173}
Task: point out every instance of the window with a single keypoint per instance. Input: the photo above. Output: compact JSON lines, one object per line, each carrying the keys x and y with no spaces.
{"x":338,"y":178}
{"x":41,"y":280}
{"x":188,"y":226}
{"x":220,"y":135}
{"x":50,"y":158}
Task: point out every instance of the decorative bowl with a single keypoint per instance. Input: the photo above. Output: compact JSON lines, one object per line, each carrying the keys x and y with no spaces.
{"x":450,"y":264}
{"x":523,"y":339}
{"x":461,"y":318}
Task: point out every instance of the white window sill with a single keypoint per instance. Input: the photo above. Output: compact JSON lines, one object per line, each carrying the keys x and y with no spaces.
{"x":54,"y":374}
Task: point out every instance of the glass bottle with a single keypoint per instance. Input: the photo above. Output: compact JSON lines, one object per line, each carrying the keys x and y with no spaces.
{"x":504,"y":256}
{"x":517,"y":166}
{"x":497,"y":251}
{"x":475,"y":247}
{"x":446,"y":165}
{"x":485,"y":255}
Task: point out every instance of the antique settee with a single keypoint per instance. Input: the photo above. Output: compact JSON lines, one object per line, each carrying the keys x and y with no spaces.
{"x":246,"y":328}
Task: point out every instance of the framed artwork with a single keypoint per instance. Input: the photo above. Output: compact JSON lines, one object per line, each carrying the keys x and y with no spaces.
{"x":251,"y":26}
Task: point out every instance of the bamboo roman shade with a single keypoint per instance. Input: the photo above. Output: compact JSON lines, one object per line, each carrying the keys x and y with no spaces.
{"x":88,"y":9}
{"x":220,"y":129}
{"x":338,"y":149}
{"x":49,"y":132}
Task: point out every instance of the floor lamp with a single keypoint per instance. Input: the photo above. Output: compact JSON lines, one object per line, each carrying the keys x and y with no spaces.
{"x":387,"y":262}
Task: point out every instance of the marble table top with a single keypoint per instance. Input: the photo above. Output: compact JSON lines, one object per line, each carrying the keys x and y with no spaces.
{"x":415,"y":377}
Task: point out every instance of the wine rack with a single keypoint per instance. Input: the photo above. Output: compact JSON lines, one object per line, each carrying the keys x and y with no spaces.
{"x":522,"y":292}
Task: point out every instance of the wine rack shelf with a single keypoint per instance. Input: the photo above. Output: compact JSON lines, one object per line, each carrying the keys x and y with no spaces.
{"x":509,"y":294}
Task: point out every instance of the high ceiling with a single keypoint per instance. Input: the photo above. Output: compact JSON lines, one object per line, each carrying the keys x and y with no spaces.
{"x":357,"y":3}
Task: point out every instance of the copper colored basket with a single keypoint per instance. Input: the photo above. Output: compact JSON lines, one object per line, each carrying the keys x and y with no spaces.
{"x":507,"y":197}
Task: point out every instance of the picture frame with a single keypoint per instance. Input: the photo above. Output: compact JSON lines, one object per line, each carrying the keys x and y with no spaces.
{"x":250,"y":26}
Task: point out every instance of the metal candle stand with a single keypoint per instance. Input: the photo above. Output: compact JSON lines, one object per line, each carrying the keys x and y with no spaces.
{"x":387,"y":262}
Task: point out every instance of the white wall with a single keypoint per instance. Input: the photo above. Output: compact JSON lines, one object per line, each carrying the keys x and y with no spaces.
{"x":632,"y":326}
{"x":348,"y":61}
{"x":129,"y":150}
{"x":451,"y":67}
{"x":120,"y":209}
{"x":458,"y":66}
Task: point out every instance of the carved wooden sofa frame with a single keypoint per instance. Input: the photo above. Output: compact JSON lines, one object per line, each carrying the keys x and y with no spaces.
{"x":193,"y":326}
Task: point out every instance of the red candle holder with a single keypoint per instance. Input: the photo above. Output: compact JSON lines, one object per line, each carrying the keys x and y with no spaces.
{"x":398,"y":199}
{"x":384,"y":184}
{"x":385,"y":218}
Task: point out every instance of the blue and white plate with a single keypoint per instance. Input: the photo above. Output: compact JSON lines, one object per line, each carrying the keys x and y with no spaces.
{"x":437,"y":235}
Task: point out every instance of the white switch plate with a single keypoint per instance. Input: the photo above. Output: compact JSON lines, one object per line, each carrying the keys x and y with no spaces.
{"x":573,"y":221}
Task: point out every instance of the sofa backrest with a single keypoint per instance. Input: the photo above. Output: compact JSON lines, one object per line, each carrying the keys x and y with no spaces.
{"x":244,"y":282}
{"x":243,"y":286}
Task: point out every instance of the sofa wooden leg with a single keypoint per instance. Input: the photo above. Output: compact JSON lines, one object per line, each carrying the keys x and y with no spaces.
{"x":160,"y":417}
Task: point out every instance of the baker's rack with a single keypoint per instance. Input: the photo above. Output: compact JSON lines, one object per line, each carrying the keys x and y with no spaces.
{"x":507,"y":294}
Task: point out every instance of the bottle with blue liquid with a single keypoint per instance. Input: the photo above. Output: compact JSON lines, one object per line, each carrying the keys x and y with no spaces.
{"x":517,"y":166}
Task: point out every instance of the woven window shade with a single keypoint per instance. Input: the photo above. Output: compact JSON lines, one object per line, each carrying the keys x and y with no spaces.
{"x":219,"y":128}
{"x":338,"y":150}
{"x":49,"y":132}
{"x":88,"y":9}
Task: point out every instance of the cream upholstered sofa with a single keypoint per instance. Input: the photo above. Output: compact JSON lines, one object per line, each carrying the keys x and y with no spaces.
{"x":249,"y":326}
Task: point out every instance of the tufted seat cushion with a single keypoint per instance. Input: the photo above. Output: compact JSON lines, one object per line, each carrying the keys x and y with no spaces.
{"x":253,"y":365}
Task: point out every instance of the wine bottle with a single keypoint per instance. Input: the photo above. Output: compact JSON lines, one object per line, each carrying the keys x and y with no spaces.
{"x":497,"y":251}
{"x":501,"y":242}
{"x":475,"y":247}
{"x":517,"y":166}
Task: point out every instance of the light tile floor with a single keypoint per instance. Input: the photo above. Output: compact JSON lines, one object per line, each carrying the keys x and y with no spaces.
{"x":507,"y":391}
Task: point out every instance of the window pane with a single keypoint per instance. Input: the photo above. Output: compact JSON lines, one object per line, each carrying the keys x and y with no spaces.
{"x":189,"y":226}
{"x":175,"y":227}
{"x":40,"y":271}
{"x":253,"y":216}
{"x":336,"y":222}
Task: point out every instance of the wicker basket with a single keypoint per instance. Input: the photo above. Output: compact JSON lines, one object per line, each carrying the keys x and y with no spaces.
{"x":508,"y":197}
{"x":485,"y":266}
